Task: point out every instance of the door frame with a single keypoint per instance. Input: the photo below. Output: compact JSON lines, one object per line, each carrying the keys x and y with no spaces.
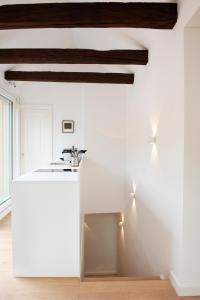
{"x":34,"y":106}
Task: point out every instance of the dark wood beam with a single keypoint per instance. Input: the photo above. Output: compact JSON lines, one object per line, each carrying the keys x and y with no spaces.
{"x":82,"y":15}
{"x":120,"y":78}
{"x":73,"y":56}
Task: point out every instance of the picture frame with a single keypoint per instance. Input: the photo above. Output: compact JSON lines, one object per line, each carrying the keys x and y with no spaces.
{"x":67,"y":126}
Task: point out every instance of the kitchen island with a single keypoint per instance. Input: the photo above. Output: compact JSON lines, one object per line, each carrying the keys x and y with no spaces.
{"x":46,"y":223}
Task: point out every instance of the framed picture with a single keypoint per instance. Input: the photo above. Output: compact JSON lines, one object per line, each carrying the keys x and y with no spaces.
{"x":67,"y":126}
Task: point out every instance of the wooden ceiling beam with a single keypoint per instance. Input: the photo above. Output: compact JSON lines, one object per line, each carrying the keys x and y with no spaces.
{"x":73,"y":56}
{"x":78,"y":77}
{"x":89,"y":15}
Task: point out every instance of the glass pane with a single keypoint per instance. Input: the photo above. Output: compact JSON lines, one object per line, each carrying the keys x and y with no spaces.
{"x":5,"y":149}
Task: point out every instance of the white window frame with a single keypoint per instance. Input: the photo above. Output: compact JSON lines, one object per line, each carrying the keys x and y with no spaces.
{"x":5,"y":207}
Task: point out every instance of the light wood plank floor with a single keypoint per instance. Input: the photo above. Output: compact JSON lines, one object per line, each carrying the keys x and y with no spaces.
{"x":71,"y":289}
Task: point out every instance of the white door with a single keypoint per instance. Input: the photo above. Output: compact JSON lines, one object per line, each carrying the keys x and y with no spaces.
{"x":36,"y":136}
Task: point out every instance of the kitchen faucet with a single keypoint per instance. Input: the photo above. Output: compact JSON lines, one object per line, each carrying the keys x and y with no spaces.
{"x":76,"y":155}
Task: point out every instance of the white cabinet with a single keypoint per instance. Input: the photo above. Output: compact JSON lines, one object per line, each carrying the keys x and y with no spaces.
{"x":46,"y":228}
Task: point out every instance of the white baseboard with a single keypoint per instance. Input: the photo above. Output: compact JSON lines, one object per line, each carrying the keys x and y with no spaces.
{"x":101,"y":273}
{"x":5,"y":208}
{"x":186,"y":289}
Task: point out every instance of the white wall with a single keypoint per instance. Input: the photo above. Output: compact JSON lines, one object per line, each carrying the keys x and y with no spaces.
{"x":190,"y":272}
{"x":104,"y":137}
{"x":152,"y":237}
{"x":155,"y":107}
{"x":99,"y":115}
{"x":67,"y":104}
{"x":100,"y":244}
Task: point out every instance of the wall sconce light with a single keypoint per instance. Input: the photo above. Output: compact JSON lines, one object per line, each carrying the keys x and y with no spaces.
{"x":152,"y":140}
{"x":132,"y":195}
{"x":121,"y":223}
{"x":86,"y":226}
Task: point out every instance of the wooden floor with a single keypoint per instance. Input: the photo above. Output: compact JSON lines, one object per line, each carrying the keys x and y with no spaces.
{"x":65,"y":289}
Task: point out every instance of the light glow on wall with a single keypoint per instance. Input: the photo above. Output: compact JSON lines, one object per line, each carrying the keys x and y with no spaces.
{"x":133,"y":205}
{"x":154,"y":129}
{"x":86,"y":227}
{"x":121,"y":225}
{"x":154,"y":152}
{"x":154,"y":121}
{"x":134,"y":188}
{"x":153,"y":139}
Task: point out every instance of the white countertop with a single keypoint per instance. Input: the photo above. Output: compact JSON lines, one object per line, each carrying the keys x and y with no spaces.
{"x":56,"y":177}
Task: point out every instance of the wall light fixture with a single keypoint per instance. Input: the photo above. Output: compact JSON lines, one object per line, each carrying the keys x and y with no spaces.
{"x":121,"y":223}
{"x":152,"y":140}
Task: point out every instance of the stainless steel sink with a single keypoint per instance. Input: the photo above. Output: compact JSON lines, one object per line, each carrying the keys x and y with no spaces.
{"x":58,"y":164}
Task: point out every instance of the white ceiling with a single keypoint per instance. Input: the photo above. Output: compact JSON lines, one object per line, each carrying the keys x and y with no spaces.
{"x":195,"y":21}
{"x":101,"y":39}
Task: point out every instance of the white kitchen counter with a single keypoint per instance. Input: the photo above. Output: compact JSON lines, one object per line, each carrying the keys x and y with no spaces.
{"x":46,"y":224}
{"x":41,"y":177}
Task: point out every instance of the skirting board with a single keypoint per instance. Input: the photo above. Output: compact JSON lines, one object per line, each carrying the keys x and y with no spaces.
{"x":101,"y":273}
{"x":184,"y":289}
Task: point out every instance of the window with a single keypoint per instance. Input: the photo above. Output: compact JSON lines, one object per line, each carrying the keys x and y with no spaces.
{"x":5,"y":148}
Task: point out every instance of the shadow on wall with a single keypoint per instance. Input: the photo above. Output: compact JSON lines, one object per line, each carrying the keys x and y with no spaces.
{"x":102,"y":187}
{"x":100,"y":244}
{"x":145,"y":243}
